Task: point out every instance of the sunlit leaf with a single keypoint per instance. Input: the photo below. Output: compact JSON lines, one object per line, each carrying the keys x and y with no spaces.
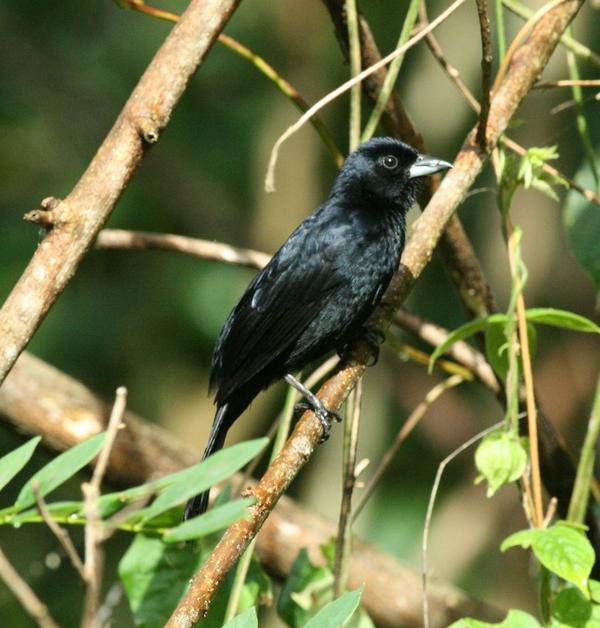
{"x":60,"y":470}
{"x":337,"y":613}
{"x":246,"y":619}
{"x":13,"y":462}
{"x":514,"y":619}
{"x":500,"y":458}
{"x":561,"y":318}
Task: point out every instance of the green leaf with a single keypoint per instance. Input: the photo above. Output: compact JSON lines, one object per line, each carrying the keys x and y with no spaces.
{"x":462,"y":332}
{"x":155,"y":576}
{"x":14,"y":461}
{"x":582,"y":223}
{"x":60,"y":470}
{"x":337,"y":613}
{"x":496,"y":349}
{"x":60,"y":510}
{"x":562,"y":549}
{"x":202,"y":476}
{"x":566,"y":552}
{"x":571,"y":608}
{"x":306,"y":589}
{"x":561,"y":318}
{"x":247,"y":619}
{"x":209,"y":522}
{"x":500,"y":458}
{"x":523,"y":538}
{"x":514,"y":619}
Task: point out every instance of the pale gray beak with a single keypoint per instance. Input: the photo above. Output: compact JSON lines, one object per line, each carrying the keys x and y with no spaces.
{"x":426,"y":165}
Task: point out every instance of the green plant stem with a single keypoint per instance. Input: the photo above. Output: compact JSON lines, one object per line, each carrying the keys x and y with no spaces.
{"x":585,"y":469}
{"x":355,"y":68}
{"x":583,"y":52}
{"x":582,"y":126}
{"x":393,"y":71}
{"x":500,"y":29}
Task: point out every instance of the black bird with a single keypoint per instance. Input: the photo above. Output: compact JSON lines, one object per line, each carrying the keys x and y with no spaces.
{"x":318,"y":290}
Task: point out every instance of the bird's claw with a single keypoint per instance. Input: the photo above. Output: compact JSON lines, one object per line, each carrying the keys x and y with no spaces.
{"x":325,"y":416}
{"x":373,"y":337}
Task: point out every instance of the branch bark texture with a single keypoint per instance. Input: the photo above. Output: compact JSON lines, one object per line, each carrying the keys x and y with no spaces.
{"x":74,"y":222}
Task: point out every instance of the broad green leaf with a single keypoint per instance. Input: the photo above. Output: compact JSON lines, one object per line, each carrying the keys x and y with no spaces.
{"x":202,"y":476}
{"x":566,"y":552}
{"x":337,"y":613}
{"x":60,"y":469}
{"x":14,"y":461}
{"x":155,"y":576}
{"x":496,"y":349}
{"x":562,"y":549}
{"x":462,"y":332}
{"x":571,"y":609}
{"x":582,"y":223}
{"x":523,"y":538}
{"x":500,"y":458}
{"x":209,"y":522}
{"x":361,"y":619}
{"x":514,"y":619}
{"x":247,"y":619}
{"x":561,"y":318}
{"x":306,"y":589}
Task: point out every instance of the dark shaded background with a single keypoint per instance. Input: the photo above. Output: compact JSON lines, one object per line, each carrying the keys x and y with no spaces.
{"x":148,"y":320}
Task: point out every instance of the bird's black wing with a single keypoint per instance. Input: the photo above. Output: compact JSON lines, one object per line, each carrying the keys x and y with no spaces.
{"x":277,"y":306}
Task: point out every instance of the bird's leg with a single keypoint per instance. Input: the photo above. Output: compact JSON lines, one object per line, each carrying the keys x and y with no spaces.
{"x":313,"y":403}
{"x":373,"y":336}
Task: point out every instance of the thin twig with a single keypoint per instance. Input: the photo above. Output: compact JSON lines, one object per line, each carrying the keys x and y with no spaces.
{"x":415,"y":416}
{"x":486,"y":71}
{"x":270,"y":176}
{"x":36,"y":609}
{"x":60,"y":533}
{"x":461,"y":351}
{"x":203,"y":249}
{"x":343,"y":544}
{"x":436,"y":484}
{"x":567,"y":83}
{"x":94,"y":535}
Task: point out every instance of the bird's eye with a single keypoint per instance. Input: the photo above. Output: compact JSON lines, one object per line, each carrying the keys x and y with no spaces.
{"x":390,"y":162}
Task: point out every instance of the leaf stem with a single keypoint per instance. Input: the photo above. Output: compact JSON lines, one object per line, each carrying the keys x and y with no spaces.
{"x":355,"y":68}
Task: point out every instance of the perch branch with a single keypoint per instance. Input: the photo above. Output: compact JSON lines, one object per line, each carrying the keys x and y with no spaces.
{"x":74,"y":222}
{"x":38,"y":399}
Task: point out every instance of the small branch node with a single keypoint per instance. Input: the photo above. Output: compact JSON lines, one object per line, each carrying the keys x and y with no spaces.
{"x":148,"y":128}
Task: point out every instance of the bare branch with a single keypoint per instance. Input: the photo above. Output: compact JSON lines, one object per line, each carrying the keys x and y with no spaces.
{"x":203,"y":249}
{"x":77,"y":220}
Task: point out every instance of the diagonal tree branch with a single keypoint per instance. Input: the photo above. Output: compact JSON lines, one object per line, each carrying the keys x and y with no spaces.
{"x":38,"y":399}
{"x":526,"y":66}
{"x":74,"y":222}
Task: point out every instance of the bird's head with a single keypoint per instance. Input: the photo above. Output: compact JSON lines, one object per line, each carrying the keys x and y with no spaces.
{"x":387,"y":170}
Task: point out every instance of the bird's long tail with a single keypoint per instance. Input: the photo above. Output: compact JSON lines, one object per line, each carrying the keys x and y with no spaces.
{"x":198,"y":504}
